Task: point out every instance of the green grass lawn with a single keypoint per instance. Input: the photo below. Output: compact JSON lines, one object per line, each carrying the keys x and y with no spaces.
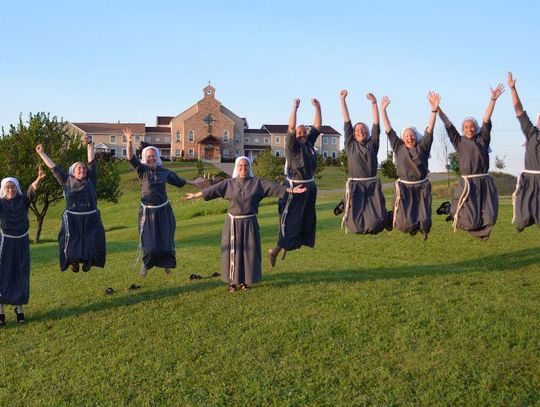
{"x":380,"y":320}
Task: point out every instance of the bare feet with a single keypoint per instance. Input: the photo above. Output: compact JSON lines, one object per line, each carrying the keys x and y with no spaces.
{"x":143,"y":271}
{"x":167,"y":270}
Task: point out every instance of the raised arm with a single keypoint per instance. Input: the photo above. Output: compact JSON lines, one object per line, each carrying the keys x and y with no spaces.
{"x":41,"y":175}
{"x":292,"y":117}
{"x":495,"y":93}
{"x":518,"y":107}
{"x":374,"y":108}
{"x":344,"y":109}
{"x":384,"y":104}
{"x":434,"y":100}
{"x":453,"y":134}
{"x":318,"y":115}
{"x":129,"y":147}
{"x":89,"y":148}
{"x":41,"y":152}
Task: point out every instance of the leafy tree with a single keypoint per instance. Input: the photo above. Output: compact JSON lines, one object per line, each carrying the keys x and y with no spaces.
{"x":388,"y":168}
{"x":500,"y":163}
{"x":268,"y":166}
{"x":453,"y":163}
{"x":320,"y":165}
{"x":199,"y":168}
{"x":342,"y":159}
{"x":18,"y":158}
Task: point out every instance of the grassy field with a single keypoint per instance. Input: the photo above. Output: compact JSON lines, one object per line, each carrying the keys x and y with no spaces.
{"x":359,"y":320}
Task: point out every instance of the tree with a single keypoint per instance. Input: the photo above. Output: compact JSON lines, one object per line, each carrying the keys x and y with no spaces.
{"x":320,"y":165}
{"x":388,"y":168}
{"x":268,"y":166}
{"x":453,"y":163}
{"x":18,"y":158}
{"x":500,"y":163}
{"x":342,"y":158}
{"x":199,"y":168}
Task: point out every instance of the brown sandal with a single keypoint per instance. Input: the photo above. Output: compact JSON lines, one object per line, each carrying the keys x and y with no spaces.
{"x":232,"y":288}
{"x":272,"y":257}
{"x":244,"y":287}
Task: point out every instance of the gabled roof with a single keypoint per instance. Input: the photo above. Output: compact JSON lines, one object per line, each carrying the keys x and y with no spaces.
{"x":283,"y":128}
{"x":163,"y":120}
{"x":210,"y":137}
{"x":158,"y":130}
{"x":110,"y":127}
{"x":256,"y":131}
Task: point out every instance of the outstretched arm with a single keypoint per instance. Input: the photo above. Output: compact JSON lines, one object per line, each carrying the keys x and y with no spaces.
{"x":518,"y":107}
{"x":41,"y":152}
{"x":318,"y":115}
{"x":344,"y":109}
{"x":292,"y":117}
{"x":89,"y":148}
{"x":129,"y":147}
{"x":41,"y":175}
{"x":434,"y":100}
{"x":384,"y":104}
{"x":495,"y":93}
{"x":374,"y":108}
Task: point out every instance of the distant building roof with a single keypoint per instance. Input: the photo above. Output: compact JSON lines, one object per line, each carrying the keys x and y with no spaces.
{"x":163,"y":120}
{"x":158,"y":130}
{"x":257,"y":147}
{"x":282,"y":128}
{"x":110,"y":127}
{"x":256,"y":131}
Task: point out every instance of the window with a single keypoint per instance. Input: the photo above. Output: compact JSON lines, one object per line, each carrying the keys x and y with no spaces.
{"x":137,"y":139}
{"x":225,"y":136}
{"x":325,"y":140}
{"x":178,"y":137}
{"x":276,"y":139}
{"x":266,"y":140}
{"x":113,"y":152}
{"x":333,"y":154}
{"x":278,"y":153}
{"x":209,"y":120}
{"x":123,"y":152}
{"x":237,"y":140}
{"x":124,"y":139}
{"x":113,"y":140}
{"x":177,"y":152}
{"x":237,"y":153}
{"x":167,"y":139}
{"x":157,"y":139}
{"x":191,"y":135}
{"x":333,"y":140}
{"x":191,"y":153}
{"x":148,"y":139}
{"x":246,"y":140}
{"x":325,"y":154}
{"x":256,"y":139}
{"x":226,"y":153}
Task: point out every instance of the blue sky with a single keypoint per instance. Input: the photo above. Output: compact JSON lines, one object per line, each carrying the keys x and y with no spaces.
{"x":133,"y":60}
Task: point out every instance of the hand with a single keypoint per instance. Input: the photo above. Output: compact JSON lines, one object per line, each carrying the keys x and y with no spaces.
{"x":189,"y":196}
{"x":385,"y":102}
{"x":128,"y":134}
{"x":296,"y":103}
{"x":497,"y":92}
{"x":39,"y":149}
{"x":299,"y":189}
{"x":511,"y":81}
{"x":434,"y":100}
{"x":200,"y":182}
{"x":86,"y":140}
{"x":41,"y":173}
{"x":343,"y":94}
{"x":371,"y":97}
{"x":315,"y":103}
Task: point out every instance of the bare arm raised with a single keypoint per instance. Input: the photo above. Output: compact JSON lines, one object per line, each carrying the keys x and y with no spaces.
{"x":374,"y":108}
{"x":384,"y":104}
{"x":41,"y":152}
{"x":518,"y":107}
{"x":434,"y":100}
{"x":292,"y":117}
{"x":129,"y":147}
{"x":344,"y":109}
{"x":495,"y":93}
{"x":318,"y":115}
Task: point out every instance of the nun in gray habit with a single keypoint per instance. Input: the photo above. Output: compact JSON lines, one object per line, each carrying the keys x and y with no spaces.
{"x":298,"y":220}
{"x":156,"y":218}
{"x":82,"y":236}
{"x":474,"y":206}
{"x":526,"y":197}
{"x":15,"y":244}
{"x":412,"y":197}
{"x":364,"y":206}
{"x":240,"y":240}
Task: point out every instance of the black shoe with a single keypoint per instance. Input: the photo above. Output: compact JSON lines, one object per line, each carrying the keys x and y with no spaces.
{"x":338,"y":210}
{"x":109,"y":291}
{"x":390,"y":221}
{"x":449,"y":218}
{"x":20,"y":317}
{"x":86,"y":267}
{"x":2,"y":319}
{"x":444,"y":209}
{"x":134,"y":287}
{"x":216,"y":275}
{"x":75,"y":267}
{"x":195,"y":277}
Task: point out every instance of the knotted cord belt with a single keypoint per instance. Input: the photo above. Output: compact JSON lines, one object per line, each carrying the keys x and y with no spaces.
{"x":347,"y":199}
{"x":398,"y":194}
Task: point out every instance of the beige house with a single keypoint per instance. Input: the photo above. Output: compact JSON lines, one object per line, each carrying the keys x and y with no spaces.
{"x":206,"y":131}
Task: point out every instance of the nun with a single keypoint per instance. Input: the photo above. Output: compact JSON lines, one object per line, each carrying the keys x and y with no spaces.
{"x":412,"y":196}
{"x":297,"y":212}
{"x":240,"y":240}
{"x":364,"y":207}
{"x":474,"y":206}
{"x":82,"y":236}
{"x":526,"y":198}
{"x":15,"y":244}
{"x":156,"y":218}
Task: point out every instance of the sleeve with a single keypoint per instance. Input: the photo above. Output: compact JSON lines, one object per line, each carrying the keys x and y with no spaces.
{"x":376,"y":136}
{"x":60,"y":175}
{"x":427,"y":141}
{"x":526,"y":125}
{"x":30,"y":195}
{"x":349,"y":133}
{"x":485,"y":132}
{"x":453,"y":135}
{"x":215,"y":191}
{"x":313,"y":135}
{"x":174,"y":179}
{"x":138,"y":166}
{"x":395,"y":141}
{"x":291,"y":145}
{"x":92,"y":171}
{"x":273,"y":189}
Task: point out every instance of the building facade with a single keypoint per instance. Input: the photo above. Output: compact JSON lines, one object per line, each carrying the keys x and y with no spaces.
{"x":207,"y":131}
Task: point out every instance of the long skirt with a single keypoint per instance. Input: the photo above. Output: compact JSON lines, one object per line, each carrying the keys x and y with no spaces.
{"x":479,"y":211}
{"x":527,"y":201}
{"x":157,"y":236}
{"x":82,"y":240}
{"x":243,"y":264}
{"x":298,"y":219}
{"x":15,"y":270}
{"x":367,"y":208}
{"x":413,"y":212}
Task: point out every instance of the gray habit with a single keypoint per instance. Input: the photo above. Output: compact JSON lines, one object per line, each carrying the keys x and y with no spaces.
{"x":527,"y":195}
{"x":156,"y":225}
{"x":244,"y":197}
{"x":367,"y":207}
{"x":15,"y":252}
{"x":297,"y":211}
{"x":479,"y":212}
{"x":414,"y":209}
{"x":82,"y":236}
